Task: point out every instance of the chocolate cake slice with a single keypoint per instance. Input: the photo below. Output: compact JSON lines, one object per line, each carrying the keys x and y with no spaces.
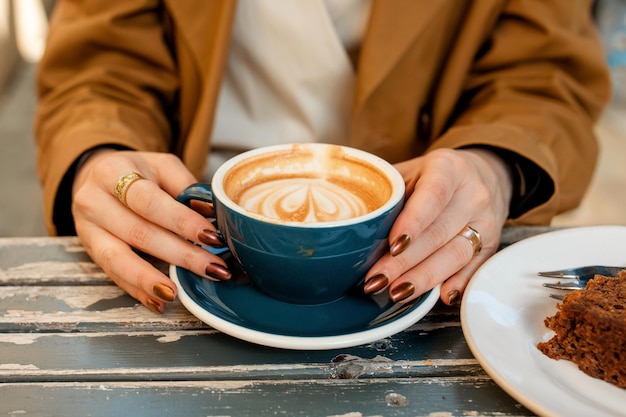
{"x":590,"y":329}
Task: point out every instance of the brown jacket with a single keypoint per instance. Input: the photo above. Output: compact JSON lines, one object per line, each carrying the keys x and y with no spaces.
{"x":523,"y":76}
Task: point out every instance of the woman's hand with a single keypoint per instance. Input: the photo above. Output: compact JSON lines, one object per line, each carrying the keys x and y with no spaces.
{"x":152,"y":222}
{"x":446,"y":191}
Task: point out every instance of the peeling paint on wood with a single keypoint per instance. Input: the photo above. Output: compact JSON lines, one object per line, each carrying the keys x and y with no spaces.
{"x":259,"y":398}
{"x":73,"y":343}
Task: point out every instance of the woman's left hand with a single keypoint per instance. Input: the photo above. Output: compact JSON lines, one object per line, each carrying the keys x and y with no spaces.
{"x":447,"y":190}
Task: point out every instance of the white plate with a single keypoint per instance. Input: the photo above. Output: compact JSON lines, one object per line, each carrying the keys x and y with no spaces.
{"x":502,"y":317}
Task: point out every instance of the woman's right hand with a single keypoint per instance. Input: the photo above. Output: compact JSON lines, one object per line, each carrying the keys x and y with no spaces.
{"x":152,"y":222}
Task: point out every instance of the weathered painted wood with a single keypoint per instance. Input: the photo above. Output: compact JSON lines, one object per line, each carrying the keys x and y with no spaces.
{"x":50,"y":261}
{"x":441,"y":397}
{"x":104,"y":307}
{"x":62,"y":260}
{"x":47,"y":261}
{"x":73,"y":343}
{"x":83,"y":308}
{"x":213,"y":355}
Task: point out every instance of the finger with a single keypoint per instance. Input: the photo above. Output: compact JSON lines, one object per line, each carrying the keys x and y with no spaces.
{"x":436,"y":268}
{"x":154,"y":239}
{"x":129,"y":271}
{"x":453,"y":288}
{"x":169,"y":172}
{"x":432,"y":190}
{"x":173,"y":176}
{"x":165,"y":169}
{"x":167,"y":176}
{"x":393,"y":265}
{"x":152,"y":203}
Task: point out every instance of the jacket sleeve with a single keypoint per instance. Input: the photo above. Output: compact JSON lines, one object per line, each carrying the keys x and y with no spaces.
{"x":533,"y":94}
{"x":107,"y":78}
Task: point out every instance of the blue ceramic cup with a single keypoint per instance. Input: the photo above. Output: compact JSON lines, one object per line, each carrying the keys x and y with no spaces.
{"x":305,"y":221}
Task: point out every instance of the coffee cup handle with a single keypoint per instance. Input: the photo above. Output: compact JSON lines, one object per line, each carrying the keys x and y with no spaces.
{"x":203,"y":192}
{"x":199,"y":191}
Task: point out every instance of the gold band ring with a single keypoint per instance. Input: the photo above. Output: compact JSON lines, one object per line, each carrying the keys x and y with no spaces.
{"x":123,"y":183}
{"x":474,"y":238}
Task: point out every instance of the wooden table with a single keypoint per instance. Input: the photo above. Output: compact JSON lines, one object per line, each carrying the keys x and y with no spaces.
{"x":74,"y":344}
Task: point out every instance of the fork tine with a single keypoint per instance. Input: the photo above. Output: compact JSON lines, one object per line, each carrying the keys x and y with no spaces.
{"x":558,"y":274}
{"x":583,"y":273}
{"x":557,"y":296}
{"x":565,"y":285}
{"x":580,"y":274}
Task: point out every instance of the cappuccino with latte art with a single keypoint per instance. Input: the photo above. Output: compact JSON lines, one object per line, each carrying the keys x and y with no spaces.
{"x":308,"y":185}
{"x":304,"y":221}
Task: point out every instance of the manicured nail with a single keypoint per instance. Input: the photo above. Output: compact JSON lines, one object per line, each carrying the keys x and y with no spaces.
{"x":401,"y":292}
{"x":454,"y":297}
{"x":210,"y":238}
{"x":375,"y":284}
{"x":398,"y":245}
{"x":164,"y":292}
{"x":202,"y":207}
{"x":218,"y":272}
{"x":153,"y":306}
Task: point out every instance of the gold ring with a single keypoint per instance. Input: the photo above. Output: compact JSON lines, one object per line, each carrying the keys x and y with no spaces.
{"x":474,"y":238}
{"x":123,"y":183}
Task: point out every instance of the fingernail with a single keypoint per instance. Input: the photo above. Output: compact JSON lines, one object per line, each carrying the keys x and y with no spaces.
{"x":164,"y":292}
{"x":375,"y":284}
{"x":153,"y":306}
{"x":454,"y":297}
{"x":398,"y":245}
{"x":217,"y":271}
{"x":211,"y":238}
{"x":202,"y":207}
{"x":401,"y":292}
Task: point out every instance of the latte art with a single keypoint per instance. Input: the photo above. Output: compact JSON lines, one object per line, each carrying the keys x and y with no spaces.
{"x":307,"y":183}
{"x":305,"y":200}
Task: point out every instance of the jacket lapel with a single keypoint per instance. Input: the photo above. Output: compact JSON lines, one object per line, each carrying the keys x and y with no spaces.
{"x":393,"y":27}
{"x":206,"y":27}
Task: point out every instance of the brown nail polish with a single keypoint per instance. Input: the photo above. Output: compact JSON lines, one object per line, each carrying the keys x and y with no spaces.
{"x":217,"y":271}
{"x":164,"y":292}
{"x":375,"y":284}
{"x":202,"y":207}
{"x":454,"y":297}
{"x":401,"y":292}
{"x":210,"y":238}
{"x":153,"y":306}
{"x":398,"y":245}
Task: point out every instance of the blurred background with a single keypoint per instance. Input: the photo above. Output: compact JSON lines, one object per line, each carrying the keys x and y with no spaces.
{"x":23,"y":27}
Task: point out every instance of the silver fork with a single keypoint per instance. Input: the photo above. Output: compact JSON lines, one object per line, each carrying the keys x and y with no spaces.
{"x":579,"y":276}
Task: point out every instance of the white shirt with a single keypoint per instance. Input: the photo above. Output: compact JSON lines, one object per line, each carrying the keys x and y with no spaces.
{"x":289,"y":77}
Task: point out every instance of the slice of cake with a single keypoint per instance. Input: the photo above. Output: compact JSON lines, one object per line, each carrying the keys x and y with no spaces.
{"x":590,"y":329}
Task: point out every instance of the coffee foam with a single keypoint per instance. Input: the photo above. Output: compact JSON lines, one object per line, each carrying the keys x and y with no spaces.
{"x":307,"y":184}
{"x":305,"y":200}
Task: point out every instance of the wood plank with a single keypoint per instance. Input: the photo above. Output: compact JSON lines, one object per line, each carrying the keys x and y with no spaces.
{"x":63,"y":260}
{"x":49,"y":284}
{"x":455,"y":396}
{"x":106,"y":307}
{"x":63,"y":321}
{"x":421,"y":350}
{"x":83,"y":308}
{"x":52,"y":261}
{"x":47,"y":260}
